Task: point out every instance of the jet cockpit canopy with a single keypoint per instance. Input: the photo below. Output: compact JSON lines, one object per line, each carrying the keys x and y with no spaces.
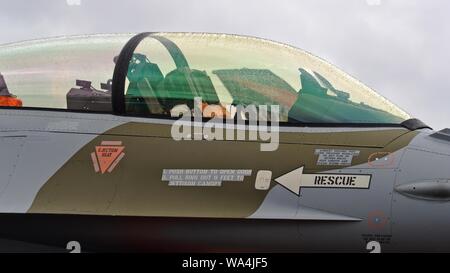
{"x":157,"y":72}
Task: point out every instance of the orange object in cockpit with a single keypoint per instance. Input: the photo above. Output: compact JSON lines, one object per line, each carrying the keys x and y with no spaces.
{"x":10,"y":101}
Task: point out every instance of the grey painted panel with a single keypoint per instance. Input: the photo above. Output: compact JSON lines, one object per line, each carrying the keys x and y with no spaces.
{"x":10,"y":148}
{"x":51,"y":140}
{"x":42,"y":155}
{"x":424,"y":141}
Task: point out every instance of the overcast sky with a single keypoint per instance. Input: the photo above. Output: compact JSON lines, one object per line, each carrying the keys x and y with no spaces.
{"x":401,"y":48}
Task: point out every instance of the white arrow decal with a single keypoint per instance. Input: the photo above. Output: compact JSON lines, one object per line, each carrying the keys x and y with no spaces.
{"x":296,"y":179}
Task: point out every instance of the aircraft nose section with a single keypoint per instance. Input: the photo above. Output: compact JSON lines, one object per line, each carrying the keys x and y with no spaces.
{"x":424,"y":171}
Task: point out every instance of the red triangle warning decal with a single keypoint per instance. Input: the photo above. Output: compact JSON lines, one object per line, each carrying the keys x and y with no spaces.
{"x":106,"y":155}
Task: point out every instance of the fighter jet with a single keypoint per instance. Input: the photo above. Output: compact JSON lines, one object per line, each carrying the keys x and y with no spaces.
{"x":199,"y":142}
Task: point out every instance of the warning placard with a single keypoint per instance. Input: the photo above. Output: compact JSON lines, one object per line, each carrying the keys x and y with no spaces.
{"x":107,"y":156}
{"x":332,"y":157}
